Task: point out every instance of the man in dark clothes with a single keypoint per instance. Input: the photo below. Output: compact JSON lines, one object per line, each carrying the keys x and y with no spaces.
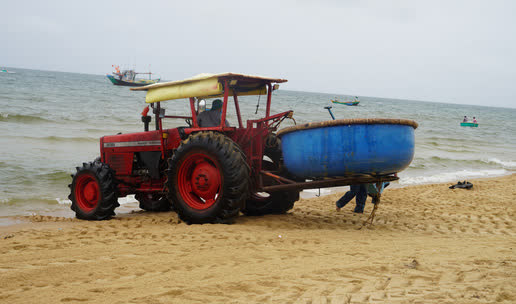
{"x":360,"y":191}
{"x":211,"y":118}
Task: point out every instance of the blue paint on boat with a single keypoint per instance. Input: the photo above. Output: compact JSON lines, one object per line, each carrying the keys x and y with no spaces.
{"x":348,"y":149}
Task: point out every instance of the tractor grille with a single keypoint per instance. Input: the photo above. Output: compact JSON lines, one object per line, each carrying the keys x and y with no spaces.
{"x":122,"y":163}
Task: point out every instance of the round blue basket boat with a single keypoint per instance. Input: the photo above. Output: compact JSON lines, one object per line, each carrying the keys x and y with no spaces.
{"x":348,"y":147}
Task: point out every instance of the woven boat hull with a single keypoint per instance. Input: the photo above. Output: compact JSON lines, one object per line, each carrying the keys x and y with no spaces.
{"x":348,"y":147}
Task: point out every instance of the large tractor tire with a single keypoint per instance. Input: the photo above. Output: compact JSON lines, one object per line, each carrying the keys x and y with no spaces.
{"x":93,"y":192}
{"x":153,"y":202}
{"x":278,"y":202}
{"x":208,"y":179}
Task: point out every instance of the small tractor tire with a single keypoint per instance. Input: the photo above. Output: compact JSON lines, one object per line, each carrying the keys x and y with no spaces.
{"x":208,"y":179}
{"x":93,"y":192}
{"x":278,"y":202}
{"x":153,"y":202}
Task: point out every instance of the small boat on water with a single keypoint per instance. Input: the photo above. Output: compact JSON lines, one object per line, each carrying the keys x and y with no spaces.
{"x":128,"y":78}
{"x":469,"y":124}
{"x":4,"y":70}
{"x":348,"y":103}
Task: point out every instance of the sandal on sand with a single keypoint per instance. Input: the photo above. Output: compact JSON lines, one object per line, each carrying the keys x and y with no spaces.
{"x":464,"y":185}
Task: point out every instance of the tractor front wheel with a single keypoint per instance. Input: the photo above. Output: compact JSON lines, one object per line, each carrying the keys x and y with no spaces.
{"x":208,"y":179}
{"x":93,"y":192}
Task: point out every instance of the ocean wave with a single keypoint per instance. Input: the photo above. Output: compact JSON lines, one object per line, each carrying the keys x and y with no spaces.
{"x":437,"y":139}
{"x":440,"y":160}
{"x":417,"y":165}
{"x":53,"y":118}
{"x":431,"y":143}
{"x":13,"y":201}
{"x":56,"y":176}
{"x":436,"y":160}
{"x":451,"y":176}
{"x":5,"y":117}
{"x":56,"y":139}
{"x":17,"y":178}
{"x":509,"y":165}
{"x":446,"y":148}
{"x":8,"y":165}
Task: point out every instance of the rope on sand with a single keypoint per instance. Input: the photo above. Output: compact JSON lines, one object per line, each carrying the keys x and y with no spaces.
{"x":370,"y":219}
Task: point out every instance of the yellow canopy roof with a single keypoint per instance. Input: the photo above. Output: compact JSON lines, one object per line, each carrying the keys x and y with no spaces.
{"x":207,"y":86}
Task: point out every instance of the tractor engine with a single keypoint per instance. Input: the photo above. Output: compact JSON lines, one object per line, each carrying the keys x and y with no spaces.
{"x":137,"y":160}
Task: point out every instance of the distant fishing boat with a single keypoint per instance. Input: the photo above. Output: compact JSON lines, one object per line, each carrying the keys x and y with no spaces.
{"x":469,"y":124}
{"x":3,"y":70}
{"x":128,"y":78}
{"x":348,"y":103}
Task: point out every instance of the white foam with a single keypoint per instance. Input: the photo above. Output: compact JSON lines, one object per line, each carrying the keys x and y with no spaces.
{"x":451,"y":176}
{"x":62,"y":201}
{"x":509,"y":165}
{"x":121,"y":200}
{"x":127,"y":200}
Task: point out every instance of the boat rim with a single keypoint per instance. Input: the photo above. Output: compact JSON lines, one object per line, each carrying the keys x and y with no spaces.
{"x":348,"y":122}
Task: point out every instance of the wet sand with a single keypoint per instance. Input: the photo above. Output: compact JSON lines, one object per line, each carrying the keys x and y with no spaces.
{"x":428,"y":244}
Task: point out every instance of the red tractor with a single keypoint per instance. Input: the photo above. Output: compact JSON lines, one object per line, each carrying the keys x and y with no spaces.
{"x":206,"y":174}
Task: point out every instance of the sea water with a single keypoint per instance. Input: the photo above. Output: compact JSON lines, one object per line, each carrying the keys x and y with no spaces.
{"x":51,"y":122}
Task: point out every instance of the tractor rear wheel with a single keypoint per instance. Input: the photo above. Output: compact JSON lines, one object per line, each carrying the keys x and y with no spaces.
{"x":153,"y":202}
{"x":278,"y":202}
{"x":208,"y":179}
{"x":93,"y":192}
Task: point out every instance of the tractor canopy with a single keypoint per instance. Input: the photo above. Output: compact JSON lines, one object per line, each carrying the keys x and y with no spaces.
{"x":208,"y":86}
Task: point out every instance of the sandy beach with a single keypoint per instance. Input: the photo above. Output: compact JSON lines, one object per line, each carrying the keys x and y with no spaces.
{"x":428,"y":244}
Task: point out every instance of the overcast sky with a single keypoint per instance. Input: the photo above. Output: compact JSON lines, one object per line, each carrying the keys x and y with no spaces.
{"x":446,"y":51}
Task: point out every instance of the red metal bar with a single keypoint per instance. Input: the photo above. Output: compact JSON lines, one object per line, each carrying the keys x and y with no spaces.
{"x":162,"y":141}
{"x":269,"y":118}
{"x":156,"y":114}
{"x":330,"y":182}
{"x":194,"y":114}
{"x":277,"y":177}
{"x":235,"y":98}
{"x":269,"y":97}
{"x":225,"y":105}
{"x":257,"y":141}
